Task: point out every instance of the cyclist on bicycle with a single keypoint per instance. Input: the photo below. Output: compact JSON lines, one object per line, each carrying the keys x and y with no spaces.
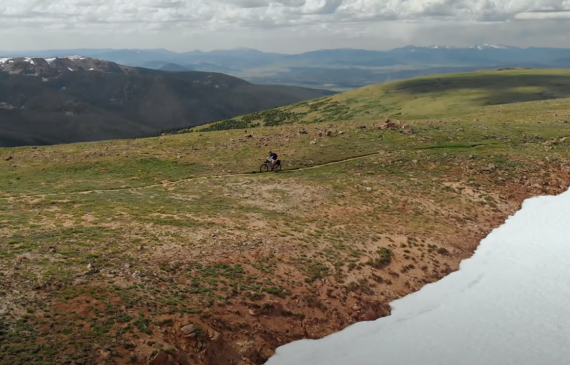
{"x":272,"y":158}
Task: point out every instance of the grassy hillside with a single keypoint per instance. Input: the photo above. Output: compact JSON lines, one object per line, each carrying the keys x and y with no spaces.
{"x":131,"y":251}
{"x":442,"y":96}
{"x":91,"y":106}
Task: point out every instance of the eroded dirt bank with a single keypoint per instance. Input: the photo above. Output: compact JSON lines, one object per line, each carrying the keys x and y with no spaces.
{"x":302,"y":298}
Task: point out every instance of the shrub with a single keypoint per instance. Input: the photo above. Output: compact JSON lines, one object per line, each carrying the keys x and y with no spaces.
{"x":383,"y":259}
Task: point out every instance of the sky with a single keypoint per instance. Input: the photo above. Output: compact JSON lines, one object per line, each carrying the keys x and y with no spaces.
{"x":286,"y":26}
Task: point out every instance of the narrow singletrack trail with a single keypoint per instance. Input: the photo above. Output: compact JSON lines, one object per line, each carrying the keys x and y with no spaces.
{"x":171,"y":183}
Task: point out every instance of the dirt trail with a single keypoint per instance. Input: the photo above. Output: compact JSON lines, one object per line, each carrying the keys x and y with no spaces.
{"x":189,"y":179}
{"x":295,"y":169}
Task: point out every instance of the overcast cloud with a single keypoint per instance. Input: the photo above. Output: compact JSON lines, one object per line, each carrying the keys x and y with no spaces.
{"x":280,"y":25}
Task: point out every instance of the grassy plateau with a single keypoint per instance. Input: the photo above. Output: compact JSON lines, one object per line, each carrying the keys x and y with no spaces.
{"x":176,"y":249}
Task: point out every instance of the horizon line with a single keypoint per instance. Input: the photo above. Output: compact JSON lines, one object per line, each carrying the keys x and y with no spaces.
{"x":237,"y":49}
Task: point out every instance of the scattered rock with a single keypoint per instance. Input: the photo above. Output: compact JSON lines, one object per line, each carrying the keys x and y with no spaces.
{"x":162,"y":358}
{"x":246,"y":348}
{"x":91,"y":268}
{"x":370,"y":315}
{"x":388,"y":124}
{"x":188,"y":329}
{"x":313,"y":142}
{"x":214,"y":335}
{"x":9,"y":158}
{"x":105,"y":354}
{"x":277,"y":308}
{"x":369,"y":189}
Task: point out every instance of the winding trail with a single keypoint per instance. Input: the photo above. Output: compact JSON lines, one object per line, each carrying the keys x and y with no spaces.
{"x":291,"y":170}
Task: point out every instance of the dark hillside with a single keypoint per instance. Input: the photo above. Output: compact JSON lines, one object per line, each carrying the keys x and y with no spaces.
{"x":74,"y":106}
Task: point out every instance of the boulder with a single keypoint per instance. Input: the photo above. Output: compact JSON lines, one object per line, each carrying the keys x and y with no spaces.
{"x":188,"y":329}
{"x":162,"y":358}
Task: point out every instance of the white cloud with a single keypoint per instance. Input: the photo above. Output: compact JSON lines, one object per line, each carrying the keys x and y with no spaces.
{"x":544,"y":15}
{"x":211,"y":19}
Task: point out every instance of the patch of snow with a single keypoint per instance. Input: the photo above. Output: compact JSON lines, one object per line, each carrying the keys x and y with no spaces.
{"x":91,"y":69}
{"x":492,"y":46}
{"x":6,"y":106}
{"x":70,"y":69}
{"x":4,"y":60}
{"x":50,"y":60}
{"x":75,"y":57}
{"x":437,"y":46}
{"x":507,"y":305}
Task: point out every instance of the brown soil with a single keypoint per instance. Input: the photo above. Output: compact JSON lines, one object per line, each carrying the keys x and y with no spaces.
{"x":298,"y":300}
{"x":247,"y":332}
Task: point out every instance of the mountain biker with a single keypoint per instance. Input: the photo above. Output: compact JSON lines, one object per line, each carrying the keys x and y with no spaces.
{"x":272,"y":158}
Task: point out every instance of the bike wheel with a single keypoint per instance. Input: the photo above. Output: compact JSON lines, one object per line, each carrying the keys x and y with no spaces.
{"x":277,"y":168}
{"x":264,"y":168}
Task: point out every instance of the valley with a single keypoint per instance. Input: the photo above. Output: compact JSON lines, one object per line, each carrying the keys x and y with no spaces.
{"x":176,"y":250}
{"x":79,"y":99}
{"x":333,"y":69}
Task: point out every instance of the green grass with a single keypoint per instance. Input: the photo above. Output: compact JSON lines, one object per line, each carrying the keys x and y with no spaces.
{"x":219,"y":234}
{"x":441,"y":96}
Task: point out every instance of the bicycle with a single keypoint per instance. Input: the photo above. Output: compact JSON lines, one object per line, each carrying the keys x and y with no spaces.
{"x":267,"y":166}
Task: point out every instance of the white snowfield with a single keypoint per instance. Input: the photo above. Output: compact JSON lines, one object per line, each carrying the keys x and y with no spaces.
{"x":508,"y":305}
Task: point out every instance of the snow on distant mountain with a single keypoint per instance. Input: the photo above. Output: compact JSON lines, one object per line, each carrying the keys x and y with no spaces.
{"x":493,"y":46}
{"x":479,"y":47}
{"x":439,"y":46}
{"x":51,"y":67}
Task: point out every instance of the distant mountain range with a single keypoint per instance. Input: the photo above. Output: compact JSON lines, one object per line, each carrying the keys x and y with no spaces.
{"x":336,"y":69}
{"x":77,"y":98}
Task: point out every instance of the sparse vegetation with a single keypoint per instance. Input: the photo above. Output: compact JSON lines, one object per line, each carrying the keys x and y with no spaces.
{"x":135,"y":239}
{"x":383,"y":259}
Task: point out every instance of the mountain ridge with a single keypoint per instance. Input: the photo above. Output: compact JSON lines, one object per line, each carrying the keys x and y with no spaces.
{"x":333,"y":68}
{"x":80,"y":99}
{"x":64,"y":52}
